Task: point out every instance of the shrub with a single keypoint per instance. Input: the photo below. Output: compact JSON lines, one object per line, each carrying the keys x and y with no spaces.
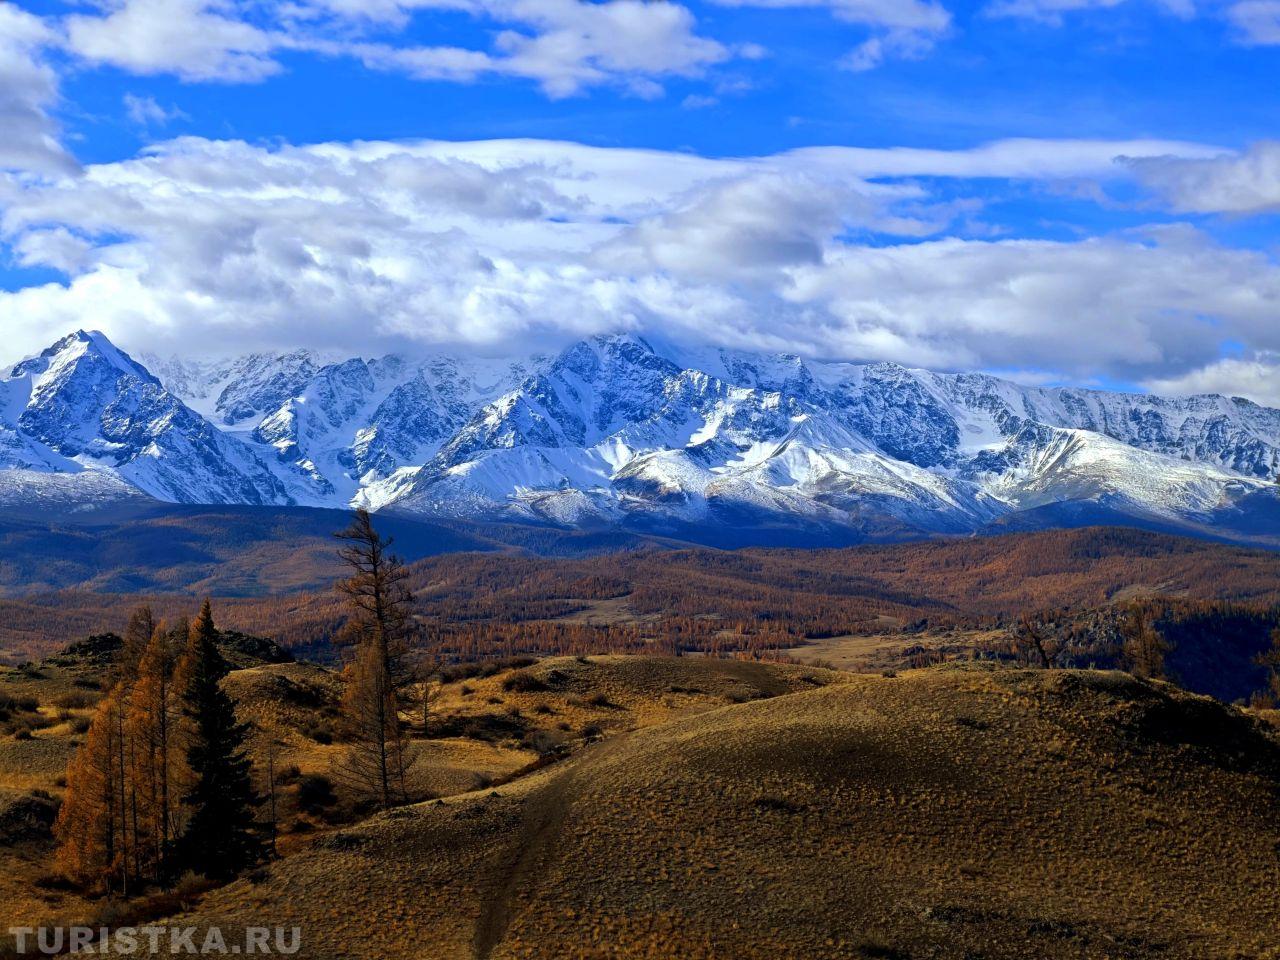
{"x":315,"y":793}
{"x":74,"y":700}
{"x":541,"y":742}
{"x":19,"y":704}
{"x":592,"y":731}
{"x":522,"y":682}
{"x":318,"y":730}
{"x":488,"y":727}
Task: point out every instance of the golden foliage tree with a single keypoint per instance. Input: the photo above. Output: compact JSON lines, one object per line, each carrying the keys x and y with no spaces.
{"x":378,"y":602}
{"x":137,"y":636}
{"x":152,"y":726}
{"x":92,"y":826}
{"x":1144,"y":647}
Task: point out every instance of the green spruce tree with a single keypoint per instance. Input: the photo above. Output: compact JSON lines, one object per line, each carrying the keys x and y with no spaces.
{"x":221,"y":838}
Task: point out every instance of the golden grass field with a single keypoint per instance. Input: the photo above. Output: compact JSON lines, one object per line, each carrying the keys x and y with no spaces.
{"x":707,"y":808}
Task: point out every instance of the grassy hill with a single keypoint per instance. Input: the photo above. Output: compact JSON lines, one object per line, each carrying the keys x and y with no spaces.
{"x":945,"y":813}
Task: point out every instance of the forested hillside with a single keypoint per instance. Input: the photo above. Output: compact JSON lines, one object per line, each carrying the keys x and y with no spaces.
{"x":474,"y":605}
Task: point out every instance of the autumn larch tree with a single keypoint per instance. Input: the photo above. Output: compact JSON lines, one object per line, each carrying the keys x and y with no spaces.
{"x":221,"y":837}
{"x":152,"y":727}
{"x":137,"y":636}
{"x":91,"y":823}
{"x":378,"y":602}
{"x":1144,"y":647}
{"x":1269,"y":696}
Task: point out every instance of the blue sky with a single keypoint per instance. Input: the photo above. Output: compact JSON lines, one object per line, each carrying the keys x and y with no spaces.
{"x":1123,"y":72}
{"x":1074,"y":191}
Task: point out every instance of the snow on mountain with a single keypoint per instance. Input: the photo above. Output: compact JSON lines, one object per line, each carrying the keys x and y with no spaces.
{"x":236,"y":390}
{"x":83,"y":405}
{"x":1043,"y":465}
{"x":617,"y":430}
{"x":622,"y":430}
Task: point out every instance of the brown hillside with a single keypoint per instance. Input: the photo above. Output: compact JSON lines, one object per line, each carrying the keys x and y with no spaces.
{"x":951,"y":813}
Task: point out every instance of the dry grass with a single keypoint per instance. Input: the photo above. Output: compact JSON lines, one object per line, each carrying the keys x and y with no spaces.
{"x":947,"y":813}
{"x":615,"y":693}
{"x":894,"y":649}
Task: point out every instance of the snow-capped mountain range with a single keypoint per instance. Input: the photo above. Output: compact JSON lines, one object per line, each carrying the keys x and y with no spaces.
{"x":617,"y":431}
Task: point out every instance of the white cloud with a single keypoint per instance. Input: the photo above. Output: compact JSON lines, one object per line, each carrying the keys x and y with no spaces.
{"x":743,"y":230}
{"x":1120,"y":307}
{"x":572,"y":45}
{"x":1053,"y":11}
{"x":1254,"y":22}
{"x":199,"y":40}
{"x":1258,"y":21}
{"x":1256,"y":378}
{"x":566,"y":46}
{"x":147,"y":112}
{"x":695,"y":101}
{"x":28,"y":90}
{"x":901,"y":29}
{"x":925,"y":15}
{"x":1023,"y":159}
{"x":58,"y":248}
{"x":893,"y":45}
{"x":221,"y":246}
{"x":1244,"y":183}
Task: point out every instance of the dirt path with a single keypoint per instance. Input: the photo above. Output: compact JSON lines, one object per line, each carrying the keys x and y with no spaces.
{"x":543,"y":818}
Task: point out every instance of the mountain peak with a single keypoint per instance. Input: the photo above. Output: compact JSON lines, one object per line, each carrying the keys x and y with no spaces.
{"x":73,"y":352}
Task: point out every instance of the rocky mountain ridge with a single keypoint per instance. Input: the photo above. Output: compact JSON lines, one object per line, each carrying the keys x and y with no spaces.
{"x":616,"y":431}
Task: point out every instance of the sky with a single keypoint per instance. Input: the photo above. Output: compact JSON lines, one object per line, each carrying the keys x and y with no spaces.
{"x":1059,"y":191}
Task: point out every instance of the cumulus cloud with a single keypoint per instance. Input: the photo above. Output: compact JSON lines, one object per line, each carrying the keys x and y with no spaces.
{"x":1121,"y":306}
{"x":218,"y":247}
{"x":742,"y":230}
{"x":1244,"y":183}
{"x":192,"y":39}
{"x":28,"y":90}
